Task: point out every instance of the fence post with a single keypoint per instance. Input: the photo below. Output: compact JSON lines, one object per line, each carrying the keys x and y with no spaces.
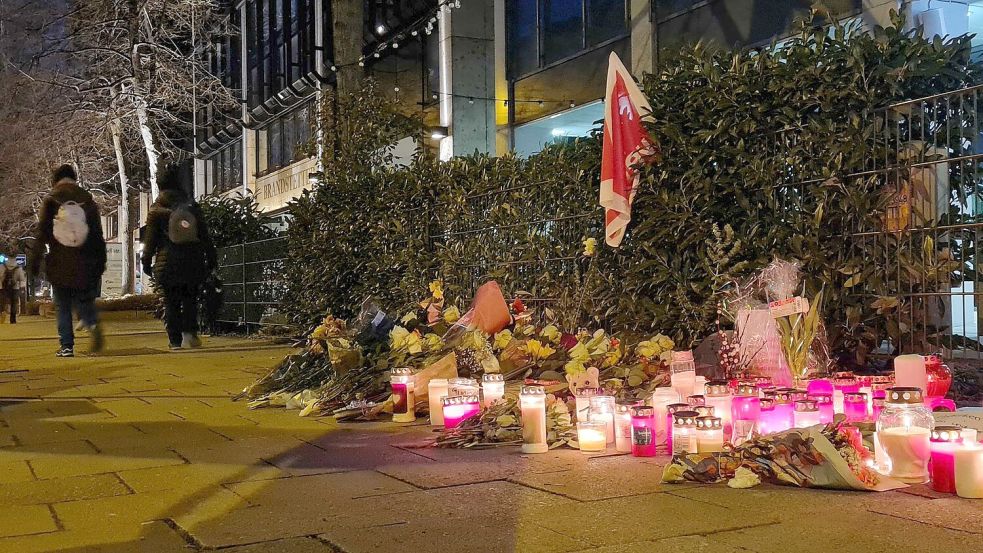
{"x":245,"y":294}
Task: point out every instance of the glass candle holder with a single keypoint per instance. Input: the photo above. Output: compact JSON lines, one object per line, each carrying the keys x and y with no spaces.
{"x":436,"y":391}
{"x":910,"y":372}
{"x":784,"y":412}
{"x":719,"y":397}
{"x":591,"y":436}
{"x":768,"y":421}
{"x":904,"y":431}
{"x":622,"y":424}
{"x":797,"y":394}
{"x":701,"y":385}
{"x":944,"y":442}
{"x":671,"y":411}
{"x":492,"y":388}
{"x":682,"y":373}
{"x":762,"y":382}
{"x":820,"y":386}
{"x":582,"y":400}
{"x":745,"y":412}
{"x":855,"y":406}
{"x":825,"y":404}
{"x":709,"y":435}
{"x":643,"y":429}
{"x":532,"y":406}
{"x":602,"y":409}
{"x":462,"y":387}
{"x":696,"y":400}
{"x":404,"y":402}
{"x":969,"y":471}
{"x":806,"y":413}
{"x":458,"y":409}
{"x":684,"y":432}
{"x":661,"y":399}
{"x":704,"y":410}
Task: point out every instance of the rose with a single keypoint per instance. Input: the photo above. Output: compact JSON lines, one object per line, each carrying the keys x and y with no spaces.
{"x":452,"y":314}
{"x":502,"y":339}
{"x":550,"y":333}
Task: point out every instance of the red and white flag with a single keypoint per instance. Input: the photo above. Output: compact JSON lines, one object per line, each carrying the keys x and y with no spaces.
{"x":626,"y":144}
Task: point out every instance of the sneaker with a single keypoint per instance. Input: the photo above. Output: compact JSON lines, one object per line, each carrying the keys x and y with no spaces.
{"x":190,"y":340}
{"x":65,"y":352}
{"x":98,"y":340}
{"x":174,"y":347}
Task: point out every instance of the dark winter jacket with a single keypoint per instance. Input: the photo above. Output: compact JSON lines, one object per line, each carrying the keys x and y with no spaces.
{"x":77,"y":268}
{"x":176,"y":264}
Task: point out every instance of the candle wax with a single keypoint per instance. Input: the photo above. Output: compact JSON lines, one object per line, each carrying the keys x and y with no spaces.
{"x":622,"y":437}
{"x":591,"y":440}
{"x":907,"y":452}
{"x":709,"y":441}
{"x":968,"y":461}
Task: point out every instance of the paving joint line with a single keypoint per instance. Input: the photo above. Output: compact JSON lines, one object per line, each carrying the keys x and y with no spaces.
{"x":54,"y":516}
{"x":899,"y":517}
{"x":189,"y":539}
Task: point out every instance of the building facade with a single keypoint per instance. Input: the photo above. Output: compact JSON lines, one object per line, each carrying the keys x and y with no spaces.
{"x":493,"y":76}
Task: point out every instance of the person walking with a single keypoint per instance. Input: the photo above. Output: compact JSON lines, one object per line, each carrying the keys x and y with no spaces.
{"x":70,"y":241}
{"x":179,"y":254}
{"x":13,"y":282}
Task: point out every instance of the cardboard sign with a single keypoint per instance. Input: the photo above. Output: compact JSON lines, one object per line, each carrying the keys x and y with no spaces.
{"x":788,"y":307}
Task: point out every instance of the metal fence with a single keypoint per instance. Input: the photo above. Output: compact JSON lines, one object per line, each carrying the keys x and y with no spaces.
{"x":253,"y":282}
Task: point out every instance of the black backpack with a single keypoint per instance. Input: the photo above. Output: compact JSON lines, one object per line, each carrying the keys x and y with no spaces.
{"x":182,"y":226}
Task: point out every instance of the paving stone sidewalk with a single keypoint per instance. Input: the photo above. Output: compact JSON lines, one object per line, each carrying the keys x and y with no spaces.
{"x":141,"y":449}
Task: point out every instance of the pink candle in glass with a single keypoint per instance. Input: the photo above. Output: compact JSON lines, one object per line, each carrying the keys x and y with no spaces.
{"x":784,"y":414}
{"x":824,"y":402}
{"x":745,"y":411}
{"x":820,"y":386}
{"x":643,"y":431}
{"x":696,"y":400}
{"x":459,"y":408}
{"x":718,"y":395}
{"x":768,"y":420}
{"x":671,"y":410}
{"x":945,"y":441}
{"x":806,"y":413}
{"x":855,"y":406}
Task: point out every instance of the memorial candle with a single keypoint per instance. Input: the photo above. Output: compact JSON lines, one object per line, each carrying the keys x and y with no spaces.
{"x":909,"y":371}
{"x":719,"y":397}
{"x":436,"y":391}
{"x":591,"y":436}
{"x":820,"y":386}
{"x":855,"y":406}
{"x":701,"y":386}
{"x":806,"y":413}
{"x":769,"y":421}
{"x":824,"y":402}
{"x":970,"y":436}
{"x":462,"y":387}
{"x":784,"y":413}
{"x":682,"y":373}
{"x":602,"y":409}
{"x":843,"y":383}
{"x":492,"y":388}
{"x":643,"y":423}
{"x":944,"y":442}
{"x":661,"y":399}
{"x":745,"y":412}
{"x":968,"y":461}
{"x":458,"y":409}
{"x":904,"y":430}
{"x":671,"y":411}
{"x":582,"y":400}
{"x":709,"y":435}
{"x":404,"y":402}
{"x":704,"y":410}
{"x":696,"y":400}
{"x":684,"y":432}
{"x":622,"y":424}
{"x":532,"y":406}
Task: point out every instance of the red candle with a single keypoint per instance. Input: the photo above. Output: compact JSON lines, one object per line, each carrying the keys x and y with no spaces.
{"x":855,"y":406}
{"x":820,"y":386}
{"x":824,"y":402}
{"x":642,"y":431}
{"x":459,"y":408}
{"x":941,"y":465}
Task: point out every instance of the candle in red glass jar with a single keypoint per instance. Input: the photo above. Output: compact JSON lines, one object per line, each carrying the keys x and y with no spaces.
{"x":855,"y":406}
{"x":643,"y":431}
{"x":458,"y":409}
{"x":941,"y":465}
{"x":939,"y":377}
{"x":825,"y":404}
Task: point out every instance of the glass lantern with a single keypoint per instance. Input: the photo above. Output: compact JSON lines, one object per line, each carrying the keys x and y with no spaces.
{"x":643,"y":426}
{"x":942,"y":466}
{"x":709,"y":435}
{"x":719,"y":397}
{"x":824,"y":402}
{"x":904,"y":430}
{"x":806,"y":413}
{"x":404,"y":401}
{"x":684,"y":432}
{"x":682,"y":373}
{"x":745,"y":412}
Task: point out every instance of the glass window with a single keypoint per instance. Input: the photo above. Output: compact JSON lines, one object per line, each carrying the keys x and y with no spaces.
{"x":275,"y":145}
{"x":605,"y":20}
{"x":563,"y":28}
{"x":287,"y":138}
{"x":523,"y":39}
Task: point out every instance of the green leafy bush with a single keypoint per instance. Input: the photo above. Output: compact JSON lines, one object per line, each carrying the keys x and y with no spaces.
{"x":233,"y":220}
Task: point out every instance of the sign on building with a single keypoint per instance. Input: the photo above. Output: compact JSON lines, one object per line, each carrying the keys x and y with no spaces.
{"x":112,"y":279}
{"x":275,"y":190}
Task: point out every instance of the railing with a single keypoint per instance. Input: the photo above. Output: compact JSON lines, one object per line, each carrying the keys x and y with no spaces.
{"x":253,"y":283}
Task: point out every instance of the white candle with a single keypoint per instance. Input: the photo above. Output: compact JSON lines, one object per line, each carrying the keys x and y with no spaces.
{"x":909,"y":370}
{"x":602,"y":410}
{"x":838,"y":401}
{"x":709,"y":435}
{"x":661,"y":399}
{"x":907,"y":452}
{"x":969,"y":471}
{"x":682,"y":373}
{"x":492,"y":388}
{"x":591,"y":437}
{"x":436,"y":391}
{"x":622,"y":427}
{"x":582,"y":398}
{"x":532,"y":404}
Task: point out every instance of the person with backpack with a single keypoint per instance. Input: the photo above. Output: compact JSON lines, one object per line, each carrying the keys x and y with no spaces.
{"x":13,"y":282}
{"x":178,"y":252}
{"x":70,"y":241}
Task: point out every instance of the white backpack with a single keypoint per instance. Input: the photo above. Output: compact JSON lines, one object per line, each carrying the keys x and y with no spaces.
{"x":70,"y":225}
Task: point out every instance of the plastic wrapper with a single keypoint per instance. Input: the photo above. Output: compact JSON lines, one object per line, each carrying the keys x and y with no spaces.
{"x":759,"y":337}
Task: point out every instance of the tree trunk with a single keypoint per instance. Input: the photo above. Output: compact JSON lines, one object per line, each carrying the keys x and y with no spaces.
{"x":148,"y":142}
{"x":347,"y":31}
{"x":124,"y":209}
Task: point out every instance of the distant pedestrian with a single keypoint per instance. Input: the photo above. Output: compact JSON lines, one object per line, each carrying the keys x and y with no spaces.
{"x":13,"y":282}
{"x":178,"y":252}
{"x":70,"y":231}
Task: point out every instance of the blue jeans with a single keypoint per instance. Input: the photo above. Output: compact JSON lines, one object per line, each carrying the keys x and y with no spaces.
{"x":84,"y":301}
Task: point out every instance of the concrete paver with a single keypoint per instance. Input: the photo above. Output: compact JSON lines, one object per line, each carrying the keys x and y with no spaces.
{"x":141,"y":449}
